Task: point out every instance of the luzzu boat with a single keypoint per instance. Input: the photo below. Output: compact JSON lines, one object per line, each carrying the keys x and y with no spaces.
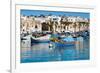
{"x":68,"y":41}
{"x":40,"y":39}
{"x":65,"y":44}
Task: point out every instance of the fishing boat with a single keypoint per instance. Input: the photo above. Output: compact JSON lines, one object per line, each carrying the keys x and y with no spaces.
{"x":65,"y":44}
{"x":68,"y":41}
{"x":40,"y":39}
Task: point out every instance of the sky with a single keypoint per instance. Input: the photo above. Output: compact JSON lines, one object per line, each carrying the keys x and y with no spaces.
{"x":57,"y":13}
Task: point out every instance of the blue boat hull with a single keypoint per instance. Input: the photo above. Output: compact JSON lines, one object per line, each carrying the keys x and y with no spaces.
{"x":57,"y":44}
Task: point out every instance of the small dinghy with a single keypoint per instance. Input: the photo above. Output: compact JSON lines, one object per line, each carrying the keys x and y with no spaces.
{"x":41,"y":39}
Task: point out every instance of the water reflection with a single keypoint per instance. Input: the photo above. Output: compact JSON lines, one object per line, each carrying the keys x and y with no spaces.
{"x":41,"y":52}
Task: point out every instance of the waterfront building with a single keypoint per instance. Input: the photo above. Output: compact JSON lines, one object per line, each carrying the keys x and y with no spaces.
{"x":53,"y":24}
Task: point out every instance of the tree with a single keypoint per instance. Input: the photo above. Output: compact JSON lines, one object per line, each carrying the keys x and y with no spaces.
{"x":74,"y":26}
{"x":80,"y":24}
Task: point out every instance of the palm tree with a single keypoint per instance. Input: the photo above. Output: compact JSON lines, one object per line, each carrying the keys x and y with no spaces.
{"x":64,"y":22}
{"x":83,"y":24}
{"x":50,"y":23}
{"x":67,"y":24}
{"x":80,"y":24}
{"x":54,"y":25}
{"x":74,"y":26}
{"x":87,"y":25}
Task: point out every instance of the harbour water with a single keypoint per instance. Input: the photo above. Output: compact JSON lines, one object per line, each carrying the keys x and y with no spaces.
{"x":41,"y":52}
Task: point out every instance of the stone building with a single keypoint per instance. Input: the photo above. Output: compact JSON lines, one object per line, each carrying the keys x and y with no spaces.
{"x":53,"y":24}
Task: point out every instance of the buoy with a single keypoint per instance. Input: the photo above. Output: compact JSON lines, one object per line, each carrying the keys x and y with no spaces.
{"x":50,"y":45}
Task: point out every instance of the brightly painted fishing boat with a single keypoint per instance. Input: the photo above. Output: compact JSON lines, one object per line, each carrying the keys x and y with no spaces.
{"x":68,"y":41}
{"x":65,"y":44}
